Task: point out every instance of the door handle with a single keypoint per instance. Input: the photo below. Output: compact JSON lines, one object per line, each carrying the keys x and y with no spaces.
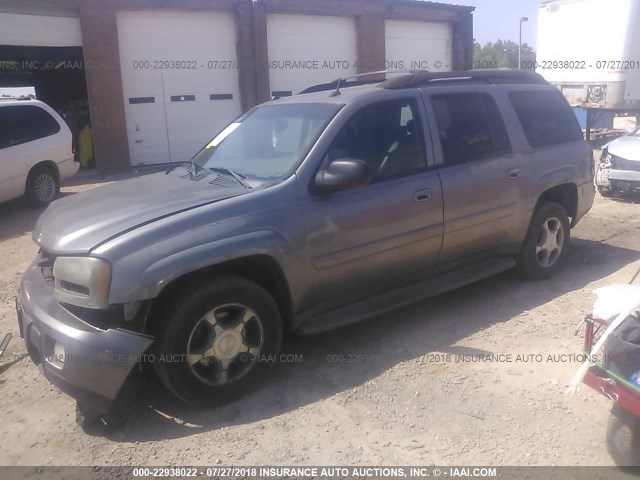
{"x":513,"y":173}
{"x":422,"y":195}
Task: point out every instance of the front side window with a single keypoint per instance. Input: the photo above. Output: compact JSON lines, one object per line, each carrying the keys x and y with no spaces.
{"x":545,"y":118}
{"x":25,"y":123}
{"x":470,"y":127}
{"x":387,"y":136}
{"x":269,"y":141}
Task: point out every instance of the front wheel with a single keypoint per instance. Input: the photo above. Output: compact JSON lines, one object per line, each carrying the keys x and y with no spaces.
{"x":216,"y":340}
{"x":623,"y":437}
{"x":546,"y":244}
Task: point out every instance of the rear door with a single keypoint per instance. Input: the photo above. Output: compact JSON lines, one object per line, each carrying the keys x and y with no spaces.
{"x":484,"y":182}
{"x":378,"y":234}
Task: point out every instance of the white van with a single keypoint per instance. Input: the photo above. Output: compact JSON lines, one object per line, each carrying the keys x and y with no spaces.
{"x":36,"y":151}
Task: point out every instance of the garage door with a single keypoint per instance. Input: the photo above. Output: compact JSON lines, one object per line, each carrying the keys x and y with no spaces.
{"x":180,"y":81}
{"x":39,"y":30}
{"x":305,"y":50}
{"x":418,"y":45}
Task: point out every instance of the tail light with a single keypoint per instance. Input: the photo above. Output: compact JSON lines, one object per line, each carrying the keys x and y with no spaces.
{"x":73,"y":144}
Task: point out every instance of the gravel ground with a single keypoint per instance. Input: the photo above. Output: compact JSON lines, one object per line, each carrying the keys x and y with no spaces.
{"x":399,"y":389}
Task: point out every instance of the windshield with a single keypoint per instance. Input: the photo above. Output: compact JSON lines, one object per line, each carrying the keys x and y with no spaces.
{"x":268,"y":142}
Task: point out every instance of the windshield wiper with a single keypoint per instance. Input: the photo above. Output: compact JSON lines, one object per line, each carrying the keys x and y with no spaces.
{"x":238,"y":177}
{"x":195,"y":167}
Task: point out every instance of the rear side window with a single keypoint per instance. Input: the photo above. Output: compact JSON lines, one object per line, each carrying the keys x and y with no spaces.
{"x":25,"y":123}
{"x":546,"y":118}
{"x":470,"y":127}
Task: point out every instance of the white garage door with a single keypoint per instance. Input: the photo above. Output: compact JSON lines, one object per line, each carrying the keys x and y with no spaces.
{"x":40,"y":30}
{"x":180,"y":81}
{"x":418,"y":45}
{"x":305,"y":50}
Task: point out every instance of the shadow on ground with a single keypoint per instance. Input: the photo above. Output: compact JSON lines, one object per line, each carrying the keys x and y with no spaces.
{"x":348,"y":358}
{"x":17,"y":218}
{"x":629,"y":197}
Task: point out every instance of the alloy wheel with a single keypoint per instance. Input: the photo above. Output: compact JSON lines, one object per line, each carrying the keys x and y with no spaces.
{"x":225,"y":344}
{"x":550,"y":242}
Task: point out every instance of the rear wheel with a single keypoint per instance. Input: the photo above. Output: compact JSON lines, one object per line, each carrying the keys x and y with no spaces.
{"x":623,"y":437}
{"x":213,"y":340}
{"x":546,"y":244}
{"x":605,"y":191}
{"x":42,"y":186}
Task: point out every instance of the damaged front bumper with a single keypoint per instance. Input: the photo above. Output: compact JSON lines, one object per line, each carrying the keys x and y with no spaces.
{"x":607,"y":176}
{"x":89,"y":363}
{"x":614,"y":172}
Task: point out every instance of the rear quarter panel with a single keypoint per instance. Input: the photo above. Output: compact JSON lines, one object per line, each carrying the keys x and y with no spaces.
{"x":550,"y":166}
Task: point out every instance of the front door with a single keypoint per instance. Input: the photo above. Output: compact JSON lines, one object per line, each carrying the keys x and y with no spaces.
{"x":362,"y":237}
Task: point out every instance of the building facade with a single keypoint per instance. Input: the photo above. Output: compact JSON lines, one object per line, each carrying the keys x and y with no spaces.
{"x":158,"y":78}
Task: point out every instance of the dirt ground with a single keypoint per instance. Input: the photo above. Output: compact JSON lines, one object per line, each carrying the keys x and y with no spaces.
{"x":392,"y":391}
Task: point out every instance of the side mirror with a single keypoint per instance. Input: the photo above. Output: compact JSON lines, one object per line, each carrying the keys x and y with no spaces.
{"x":343,"y":174}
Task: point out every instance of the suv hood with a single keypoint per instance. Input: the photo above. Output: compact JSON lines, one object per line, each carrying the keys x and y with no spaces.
{"x":627,"y":147}
{"x":78,"y":223}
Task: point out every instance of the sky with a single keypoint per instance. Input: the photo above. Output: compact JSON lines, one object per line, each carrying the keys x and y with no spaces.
{"x":494,"y":19}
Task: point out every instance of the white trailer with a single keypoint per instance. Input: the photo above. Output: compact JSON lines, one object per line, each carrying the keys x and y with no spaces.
{"x":590,"y":49}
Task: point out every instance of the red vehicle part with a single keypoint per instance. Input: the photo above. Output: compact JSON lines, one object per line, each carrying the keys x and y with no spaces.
{"x":602,"y":381}
{"x":617,"y":392}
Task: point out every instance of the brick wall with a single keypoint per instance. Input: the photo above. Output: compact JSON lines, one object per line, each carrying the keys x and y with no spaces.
{"x":370,"y":16}
{"x":104,"y":85}
{"x":100,"y":39}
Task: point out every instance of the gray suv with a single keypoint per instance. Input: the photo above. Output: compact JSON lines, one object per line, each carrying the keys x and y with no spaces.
{"x":306,"y":214}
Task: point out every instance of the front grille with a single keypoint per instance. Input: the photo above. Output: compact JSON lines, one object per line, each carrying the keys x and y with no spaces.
{"x":46,"y":259}
{"x":622,"y":164}
{"x":45,"y":262}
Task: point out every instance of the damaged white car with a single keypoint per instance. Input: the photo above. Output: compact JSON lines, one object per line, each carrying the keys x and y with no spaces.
{"x":619,"y":168}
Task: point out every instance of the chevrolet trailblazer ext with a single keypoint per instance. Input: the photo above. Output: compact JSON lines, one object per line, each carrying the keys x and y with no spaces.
{"x":305,"y":214}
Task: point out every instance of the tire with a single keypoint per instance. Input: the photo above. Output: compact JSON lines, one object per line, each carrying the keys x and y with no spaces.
{"x":538,"y":259}
{"x":220,"y":333}
{"x":623,"y":437}
{"x":42,"y":186}
{"x":605,"y":191}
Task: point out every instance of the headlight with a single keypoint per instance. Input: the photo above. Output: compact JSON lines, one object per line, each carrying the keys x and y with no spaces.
{"x":82,"y":281}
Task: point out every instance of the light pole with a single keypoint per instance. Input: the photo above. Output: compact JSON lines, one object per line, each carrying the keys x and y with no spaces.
{"x":522,"y":19}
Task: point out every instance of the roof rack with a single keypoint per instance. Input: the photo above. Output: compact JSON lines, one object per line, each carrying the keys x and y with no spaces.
{"x":414,"y":78}
{"x":15,"y":99}
{"x":494,"y":77}
{"x":344,"y":82}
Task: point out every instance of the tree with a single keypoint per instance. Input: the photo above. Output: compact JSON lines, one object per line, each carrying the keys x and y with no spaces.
{"x":502,"y":54}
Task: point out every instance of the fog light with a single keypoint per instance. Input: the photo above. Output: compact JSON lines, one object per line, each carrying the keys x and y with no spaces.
{"x":57,"y":359}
